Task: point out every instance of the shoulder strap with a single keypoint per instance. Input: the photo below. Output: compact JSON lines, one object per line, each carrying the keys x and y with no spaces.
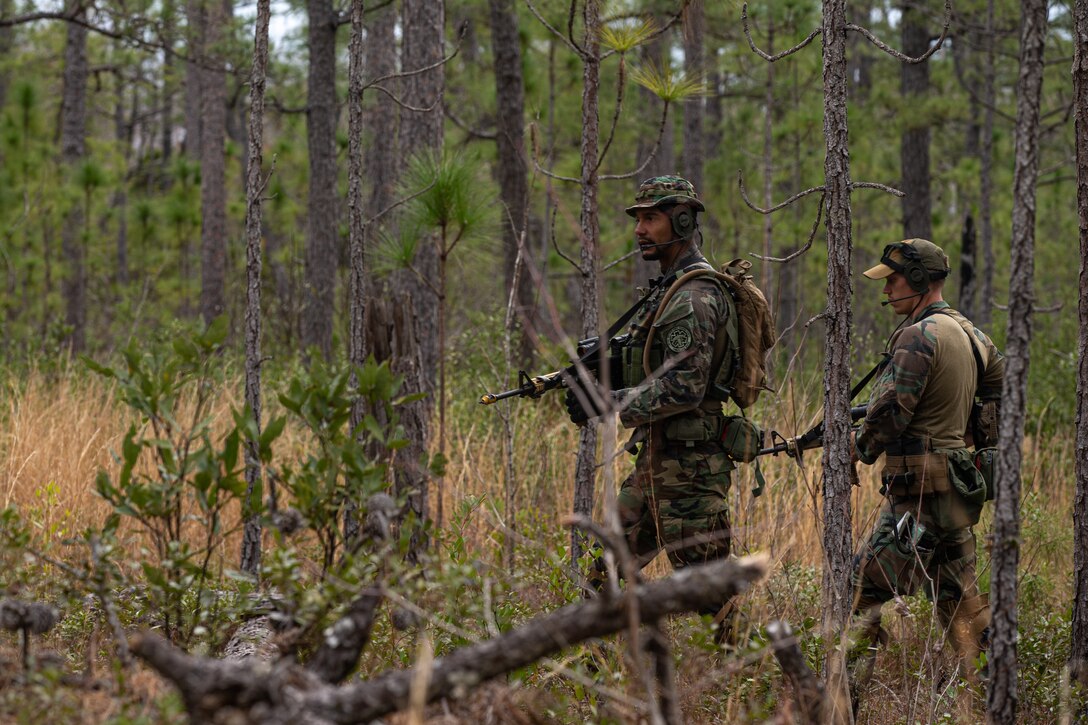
{"x":969,"y":330}
{"x":695,"y":270}
{"x":626,"y":316}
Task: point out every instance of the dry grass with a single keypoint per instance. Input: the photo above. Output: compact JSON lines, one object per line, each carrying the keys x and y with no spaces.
{"x":58,"y":432}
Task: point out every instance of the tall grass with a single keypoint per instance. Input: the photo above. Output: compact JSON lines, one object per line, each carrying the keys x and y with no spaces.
{"x":57,"y":431}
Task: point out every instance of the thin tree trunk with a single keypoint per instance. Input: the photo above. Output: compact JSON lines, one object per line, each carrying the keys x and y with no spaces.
{"x":694,"y":107}
{"x":986,"y":170}
{"x":914,"y":148}
{"x":1079,"y":654}
{"x":837,"y":536}
{"x":421,"y":132}
{"x":251,"y":536}
{"x":768,"y":159}
{"x":1002,"y":695}
{"x":586,"y":462}
{"x":213,"y":172}
{"x":319,"y":287}
{"x":512,"y":169}
{"x":380,"y":119}
{"x":320,"y":269}
{"x":194,"y":78}
{"x":73,"y":129}
{"x":168,"y":63}
{"x":120,"y":196}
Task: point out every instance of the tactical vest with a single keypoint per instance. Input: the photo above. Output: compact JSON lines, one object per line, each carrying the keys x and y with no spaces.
{"x":634,"y":353}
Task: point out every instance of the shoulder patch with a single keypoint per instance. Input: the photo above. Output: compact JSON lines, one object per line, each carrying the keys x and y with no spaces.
{"x":678,"y":338}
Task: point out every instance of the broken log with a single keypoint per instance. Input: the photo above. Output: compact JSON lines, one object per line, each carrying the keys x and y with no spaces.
{"x":246,"y":691}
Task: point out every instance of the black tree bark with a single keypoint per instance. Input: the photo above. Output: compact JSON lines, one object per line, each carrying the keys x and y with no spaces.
{"x":251,"y":535}
{"x":837,"y":466}
{"x":585,"y":467}
{"x":319,"y":285}
{"x":512,"y":168}
{"x":73,"y":130}
{"x":213,"y":172}
{"x":1002,"y":697}
{"x":914,"y":148}
{"x":1079,"y":655}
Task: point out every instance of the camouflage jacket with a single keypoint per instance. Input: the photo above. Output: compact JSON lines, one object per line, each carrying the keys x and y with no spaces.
{"x":926,"y":389}
{"x":685,"y":333}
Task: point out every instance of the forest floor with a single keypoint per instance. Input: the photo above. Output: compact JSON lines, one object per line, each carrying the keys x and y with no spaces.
{"x":58,"y":433}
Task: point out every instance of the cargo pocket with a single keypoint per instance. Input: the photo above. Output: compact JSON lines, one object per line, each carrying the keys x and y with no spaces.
{"x":962,"y":507}
{"x":703,"y":538}
{"x":898,"y":556}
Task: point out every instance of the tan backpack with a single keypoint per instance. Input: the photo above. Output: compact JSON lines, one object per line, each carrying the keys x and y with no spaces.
{"x":750,"y":329}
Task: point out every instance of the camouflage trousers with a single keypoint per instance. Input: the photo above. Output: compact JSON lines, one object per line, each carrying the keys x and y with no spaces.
{"x":676,"y":499}
{"x":923,"y":541}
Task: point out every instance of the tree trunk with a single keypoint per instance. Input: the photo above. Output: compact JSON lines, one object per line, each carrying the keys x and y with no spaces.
{"x":986,"y":171}
{"x":194,"y":78}
{"x":837,"y":466}
{"x":381,"y":118}
{"x":586,"y":462}
{"x":512,"y":168}
{"x":213,"y":173}
{"x":251,"y":536}
{"x":1079,"y":654}
{"x":914,"y":148}
{"x":421,"y":132}
{"x":319,"y":286}
{"x":120,"y":195}
{"x":859,"y":59}
{"x":1002,"y":696}
{"x":168,"y":63}
{"x":393,"y":337}
{"x":768,"y":159}
{"x":73,"y":129}
{"x":694,"y":107}
{"x":968,"y":269}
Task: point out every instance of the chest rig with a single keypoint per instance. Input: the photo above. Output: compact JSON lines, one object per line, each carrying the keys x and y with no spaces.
{"x":645,"y":348}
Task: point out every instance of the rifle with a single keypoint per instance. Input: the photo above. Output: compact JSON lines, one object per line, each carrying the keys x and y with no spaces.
{"x":589,"y":356}
{"x":812,"y":438}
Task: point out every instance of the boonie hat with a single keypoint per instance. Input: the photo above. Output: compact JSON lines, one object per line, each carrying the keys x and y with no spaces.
{"x":929,"y":254}
{"x":658,"y":190}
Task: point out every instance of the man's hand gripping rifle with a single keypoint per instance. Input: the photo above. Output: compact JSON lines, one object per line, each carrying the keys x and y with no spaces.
{"x":589,"y":356}
{"x":812,"y":438}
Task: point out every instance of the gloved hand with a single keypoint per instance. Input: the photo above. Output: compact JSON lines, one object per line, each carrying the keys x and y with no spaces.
{"x":578,"y":412}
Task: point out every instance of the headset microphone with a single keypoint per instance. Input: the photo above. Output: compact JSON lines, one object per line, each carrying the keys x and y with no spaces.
{"x":890,"y":300}
{"x":661,"y":244}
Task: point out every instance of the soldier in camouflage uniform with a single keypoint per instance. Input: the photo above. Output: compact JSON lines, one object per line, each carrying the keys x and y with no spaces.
{"x":676,"y":498}
{"x":918,"y":414}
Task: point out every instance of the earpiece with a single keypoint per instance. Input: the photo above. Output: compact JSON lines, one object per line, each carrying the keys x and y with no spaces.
{"x":912,"y":268}
{"x":683,"y":222}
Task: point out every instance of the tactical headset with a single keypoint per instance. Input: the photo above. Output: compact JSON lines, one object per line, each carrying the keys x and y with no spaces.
{"x":683,"y":221}
{"x":912,"y":267}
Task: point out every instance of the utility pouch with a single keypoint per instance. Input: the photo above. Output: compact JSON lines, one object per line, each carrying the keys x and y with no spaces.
{"x":689,"y":430}
{"x":899,"y":562}
{"x":929,"y":474}
{"x":985,"y":461}
{"x":741,"y":438}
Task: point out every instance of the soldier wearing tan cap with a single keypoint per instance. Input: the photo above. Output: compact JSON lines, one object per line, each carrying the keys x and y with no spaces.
{"x":937,"y":364}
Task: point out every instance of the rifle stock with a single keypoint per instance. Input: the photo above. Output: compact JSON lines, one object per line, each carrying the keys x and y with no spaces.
{"x":812,"y":438}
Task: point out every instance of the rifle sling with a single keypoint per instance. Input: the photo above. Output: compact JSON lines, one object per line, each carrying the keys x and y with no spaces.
{"x":626,"y":316}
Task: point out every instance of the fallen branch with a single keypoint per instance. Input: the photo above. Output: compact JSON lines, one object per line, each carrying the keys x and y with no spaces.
{"x":215,"y":691}
{"x":808,"y":689}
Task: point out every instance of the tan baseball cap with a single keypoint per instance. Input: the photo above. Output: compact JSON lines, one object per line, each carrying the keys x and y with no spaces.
{"x":896,"y":254}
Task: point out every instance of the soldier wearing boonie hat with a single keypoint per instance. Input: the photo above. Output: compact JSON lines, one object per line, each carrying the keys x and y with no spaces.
{"x":676,"y":498}
{"x":937,"y":364}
